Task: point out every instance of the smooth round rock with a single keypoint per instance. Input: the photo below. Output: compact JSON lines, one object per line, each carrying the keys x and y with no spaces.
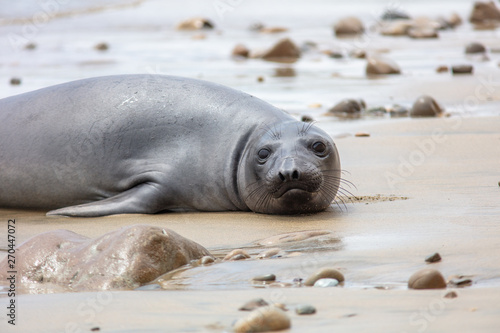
{"x":451,"y":294}
{"x":207,"y":260}
{"x":394,"y":14}
{"x":253,"y":304}
{"x":425,"y":106}
{"x":475,"y":47}
{"x":266,"y":318}
{"x":241,"y":51}
{"x":196,"y":23}
{"x":265,"y":278}
{"x":427,"y":279}
{"x":283,"y":51}
{"x":398,"y":111}
{"x":237,"y":253}
{"x":484,"y":12}
{"x":305,"y":309}
{"x":462,"y":69}
{"x":377,"y":65}
{"x":326,"y":282}
{"x":442,"y":69}
{"x":269,"y":253}
{"x":433,"y":258}
{"x":349,"y":26}
{"x":15,"y":81}
{"x":324,"y":273}
{"x":102,"y":47}
{"x":420,"y":33}
{"x":348,"y":107}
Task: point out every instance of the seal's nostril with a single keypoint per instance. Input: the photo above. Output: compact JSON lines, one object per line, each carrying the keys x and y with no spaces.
{"x":281,"y":177}
{"x":295,"y":174}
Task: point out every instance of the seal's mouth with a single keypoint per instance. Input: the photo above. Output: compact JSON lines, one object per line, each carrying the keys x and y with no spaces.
{"x":293,"y":188}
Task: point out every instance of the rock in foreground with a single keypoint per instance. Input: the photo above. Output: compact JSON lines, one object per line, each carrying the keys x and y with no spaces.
{"x":263,"y":319}
{"x":121,"y":259}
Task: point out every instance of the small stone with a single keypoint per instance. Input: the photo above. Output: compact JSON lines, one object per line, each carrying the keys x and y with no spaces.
{"x":207,"y":260}
{"x":394,"y":14}
{"x":433,"y":258}
{"x":102,"y":47}
{"x":283,"y":51}
{"x":273,"y":30}
{"x":237,"y":252}
{"x":484,"y":12}
{"x":419,"y":33}
{"x":460,"y":283}
{"x":253,"y":304}
{"x":326,"y":283}
{"x":349,"y":26}
{"x":30,"y":46}
{"x":260,"y":79}
{"x":269,"y":253}
{"x":359,"y":54}
{"x":95,"y":329}
{"x":324,"y":273}
{"x":427,"y":279}
{"x":196,"y":23}
{"x":264,"y":278}
{"x":362,"y":134}
{"x":240,"y":50}
{"x":442,"y":69}
{"x":15,"y":81}
{"x":396,"y":28}
{"x":334,"y":54}
{"x":475,"y":47}
{"x":377,"y":65}
{"x":398,"y":111}
{"x":425,"y":106}
{"x":266,"y":318}
{"x":454,"y":20}
{"x":256,"y":26}
{"x":305,"y":309}
{"x":239,"y":257}
{"x":451,"y":294}
{"x":348,"y":107}
{"x":284,"y":72}
{"x":462,"y":69}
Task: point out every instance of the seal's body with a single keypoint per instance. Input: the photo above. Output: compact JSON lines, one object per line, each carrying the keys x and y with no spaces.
{"x":149,"y":143}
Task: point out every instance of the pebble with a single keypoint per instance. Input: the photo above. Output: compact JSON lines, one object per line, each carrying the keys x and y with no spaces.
{"x":396,"y":28}
{"x":462,"y":69}
{"x":357,"y":53}
{"x":460,"y":283}
{"x":425,"y":106}
{"x":419,"y":33}
{"x":269,"y":253}
{"x":196,"y":23}
{"x":348,"y":26}
{"x":394,"y":14}
{"x":285,"y":72}
{"x":326,"y":282}
{"x":427,"y":279}
{"x":253,"y":304}
{"x":397,"y":111}
{"x":305,"y":309}
{"x":266,"y":277}
{"x":283,"y":51}
{"x":451,"y":294}
{"x":273,"y":30}
{"x":260,"y":79}
{"x":442,"y":69}
{"x":95,"y":329}
{"x":240,"y":50}
{"x":266,"y":318}
{"x":15,"y":81}
{"x":206,"y":260}
{"x":30,"y":46}
{"x":236,"y":252}
{"x":324,"y":273}
{"x":348,"y":108}
{"x":307,"y":119}
{"x":475,"y":47}
{"x":484,"y":13}
{"x":433,"y":258}
{"x":377,"y":65}
{"x":102,"y":46}
{"x":362,"y":134}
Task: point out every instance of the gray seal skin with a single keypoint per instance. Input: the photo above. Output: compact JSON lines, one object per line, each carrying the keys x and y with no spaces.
{"x":151,"y":143}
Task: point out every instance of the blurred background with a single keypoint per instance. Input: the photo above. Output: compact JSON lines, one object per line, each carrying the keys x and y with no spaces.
{"x":46,"y":42}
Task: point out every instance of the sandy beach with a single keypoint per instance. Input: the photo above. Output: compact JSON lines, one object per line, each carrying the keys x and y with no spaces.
{"x":419,"y":185}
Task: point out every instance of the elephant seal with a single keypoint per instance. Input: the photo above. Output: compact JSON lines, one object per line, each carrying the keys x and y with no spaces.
{"x":152,"y":143}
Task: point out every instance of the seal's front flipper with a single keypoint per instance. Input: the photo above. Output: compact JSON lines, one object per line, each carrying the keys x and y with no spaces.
{"x":141,"y":199}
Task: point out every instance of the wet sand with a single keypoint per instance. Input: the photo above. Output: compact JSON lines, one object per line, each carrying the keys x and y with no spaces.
{"x":424,"y":185}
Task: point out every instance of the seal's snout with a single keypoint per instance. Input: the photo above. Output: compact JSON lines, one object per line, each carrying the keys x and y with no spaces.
{"x":289,"y":171}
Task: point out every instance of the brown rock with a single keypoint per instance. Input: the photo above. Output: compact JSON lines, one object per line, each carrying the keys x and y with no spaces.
{"x":284,"y":72}
{"x":240,"y":50}
{"x":484,"y":13}
{"x":442,"y":69}
{"x":396,"y":28}
{"x":269,"y":253}
{"x":433,"y":258}
{"x":425,"y":106}
{"x":253,"y":304}
{"x":283,"y":51}
{"x":349,"y":26}
{"x":348,"y":107}
{"x":420,"y":33}
{"x":454,"y":20}
{"x":475,"y":47}
{"x":196,"y":23}
{"x":102,"y":47}
{"x":273,"y":30}
{"x":427,"y":279}
{"x":323,"y":273}
{"x":121,"y":259}
{"x":15,"y":81}
{"x":237,"y":252}
{"x":377,"y":65}
{"x":462,"y":69}
{"x":451,"y":294}
{"x":266,"y":318}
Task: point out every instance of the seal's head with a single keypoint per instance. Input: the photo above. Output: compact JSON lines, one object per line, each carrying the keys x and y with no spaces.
{"x":289,"y":168}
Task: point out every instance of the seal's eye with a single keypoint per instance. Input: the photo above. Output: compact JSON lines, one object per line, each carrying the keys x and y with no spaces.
{"x":319,"y":147}
{"x":264,"y":153}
